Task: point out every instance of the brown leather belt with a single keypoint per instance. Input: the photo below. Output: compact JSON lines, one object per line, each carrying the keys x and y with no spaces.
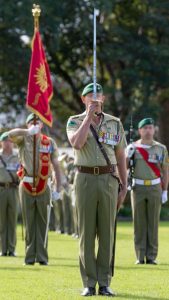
{"x":8,"y":184}
{"x":97,"y":170}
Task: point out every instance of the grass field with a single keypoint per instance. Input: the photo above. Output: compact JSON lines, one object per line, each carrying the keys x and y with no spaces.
{"x":61,"y":279}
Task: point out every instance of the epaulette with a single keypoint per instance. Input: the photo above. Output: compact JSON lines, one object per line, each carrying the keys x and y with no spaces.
{"x":115,"y":119}
{"x":77,"y":116}
{"x":160,"y":145}
{"x":111,"y":117}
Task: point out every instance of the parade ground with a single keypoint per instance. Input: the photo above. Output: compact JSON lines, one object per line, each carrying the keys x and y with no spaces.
{"x":61,"y":278}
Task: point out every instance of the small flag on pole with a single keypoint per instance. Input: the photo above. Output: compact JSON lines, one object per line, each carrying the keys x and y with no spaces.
{"x":40,"y":90}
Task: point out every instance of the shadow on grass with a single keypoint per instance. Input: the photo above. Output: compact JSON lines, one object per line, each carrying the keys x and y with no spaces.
{"x":63,"y":258}
{"x":64,"y":240}
{"x":37,"y":267}
{"x":143,"y":268}
{"x":131,"y":296}
{"x":22,"y":268}
{"x":50,"y":257}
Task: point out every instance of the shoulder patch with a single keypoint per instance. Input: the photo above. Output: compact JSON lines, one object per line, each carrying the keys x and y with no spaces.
{"x":71,"y":123}
{"x":78,"y":116}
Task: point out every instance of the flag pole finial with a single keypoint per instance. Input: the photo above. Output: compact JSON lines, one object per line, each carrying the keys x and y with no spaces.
{"x":36,"y":11}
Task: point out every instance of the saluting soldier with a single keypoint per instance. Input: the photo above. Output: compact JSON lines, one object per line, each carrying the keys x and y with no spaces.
{"x":150,"y":185}
{"x":34,"y":203}
{"x":9,"y":163}
{"x":96,"y":187}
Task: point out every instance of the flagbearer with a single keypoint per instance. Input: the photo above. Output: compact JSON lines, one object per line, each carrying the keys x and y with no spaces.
{"x":150,"y":185}
{"x":34,"y":203}
{"x":9,"y":164}
{"x":96,"y":187}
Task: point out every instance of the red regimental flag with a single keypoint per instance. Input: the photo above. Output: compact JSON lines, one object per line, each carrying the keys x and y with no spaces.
{"x":40,"y":88}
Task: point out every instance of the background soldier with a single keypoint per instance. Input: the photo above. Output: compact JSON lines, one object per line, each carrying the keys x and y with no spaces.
{"x":57,"y":207}
{"x":150,"y":188}
{"x":8,"y":196}
{"x":97,"y":188}
{"x":34,"y":205}
{"x":71,"y":171}
{"x":66,"y":200}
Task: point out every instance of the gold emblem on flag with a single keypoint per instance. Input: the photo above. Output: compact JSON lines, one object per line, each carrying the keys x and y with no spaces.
{"x":41,"y":78}
{"x":48,"y":111}
{"x":36,"y":100}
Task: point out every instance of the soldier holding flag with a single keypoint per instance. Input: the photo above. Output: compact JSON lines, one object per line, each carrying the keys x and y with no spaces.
{"x":37,"y":152}
{"x":35,"y":201}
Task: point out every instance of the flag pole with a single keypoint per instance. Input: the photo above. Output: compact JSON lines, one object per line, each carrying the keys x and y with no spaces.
{"x":94,"y":54}
{"x":36,"y":14}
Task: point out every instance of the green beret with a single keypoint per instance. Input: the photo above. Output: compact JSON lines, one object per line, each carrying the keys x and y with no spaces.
{"x":4,"y":136}
{"x":30,"y":117}
{"x":147,"y":121}
{"x":90,"y":89}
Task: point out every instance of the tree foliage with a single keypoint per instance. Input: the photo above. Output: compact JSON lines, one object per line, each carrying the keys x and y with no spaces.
{"x":132,"y":53}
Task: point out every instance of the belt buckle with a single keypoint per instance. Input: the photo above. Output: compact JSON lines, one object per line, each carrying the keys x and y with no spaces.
{"x":96,"y":170}
{"x":147,"y":182}
{"x":7,"y":185}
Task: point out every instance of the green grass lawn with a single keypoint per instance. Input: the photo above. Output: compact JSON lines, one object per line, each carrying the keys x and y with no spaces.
{"x":61,"y":279}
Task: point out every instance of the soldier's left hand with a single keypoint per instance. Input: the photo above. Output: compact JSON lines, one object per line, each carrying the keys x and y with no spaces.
{"x":121,"y":196}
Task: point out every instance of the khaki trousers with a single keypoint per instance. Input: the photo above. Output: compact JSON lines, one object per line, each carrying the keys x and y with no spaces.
{"x":96,"y":200}
{"x":34,"y":210}
{"x":8,"y":218}
{"x":146,"y":206}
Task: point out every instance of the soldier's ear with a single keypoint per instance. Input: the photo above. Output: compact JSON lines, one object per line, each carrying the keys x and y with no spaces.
{"x":103,"y":98}
{"x":83,"y":99}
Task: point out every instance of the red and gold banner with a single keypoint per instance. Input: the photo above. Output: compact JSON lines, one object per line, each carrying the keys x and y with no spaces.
{"x":40,"y":88}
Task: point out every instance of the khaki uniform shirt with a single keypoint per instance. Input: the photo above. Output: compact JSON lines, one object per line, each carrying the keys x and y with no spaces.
{"x":25,"y":146}
{"x":157,"y":154}
{"x":12,"y":164}
{"x":111,"y":134}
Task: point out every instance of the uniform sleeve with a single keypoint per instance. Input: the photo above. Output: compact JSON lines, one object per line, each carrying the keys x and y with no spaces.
{"x":165,"y":161}
{"x":72,"y":126}
{"x":122,"y":138}
{"x":18,"y":140}
{"x":130,"y":150}
{"x":54,"y":150}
